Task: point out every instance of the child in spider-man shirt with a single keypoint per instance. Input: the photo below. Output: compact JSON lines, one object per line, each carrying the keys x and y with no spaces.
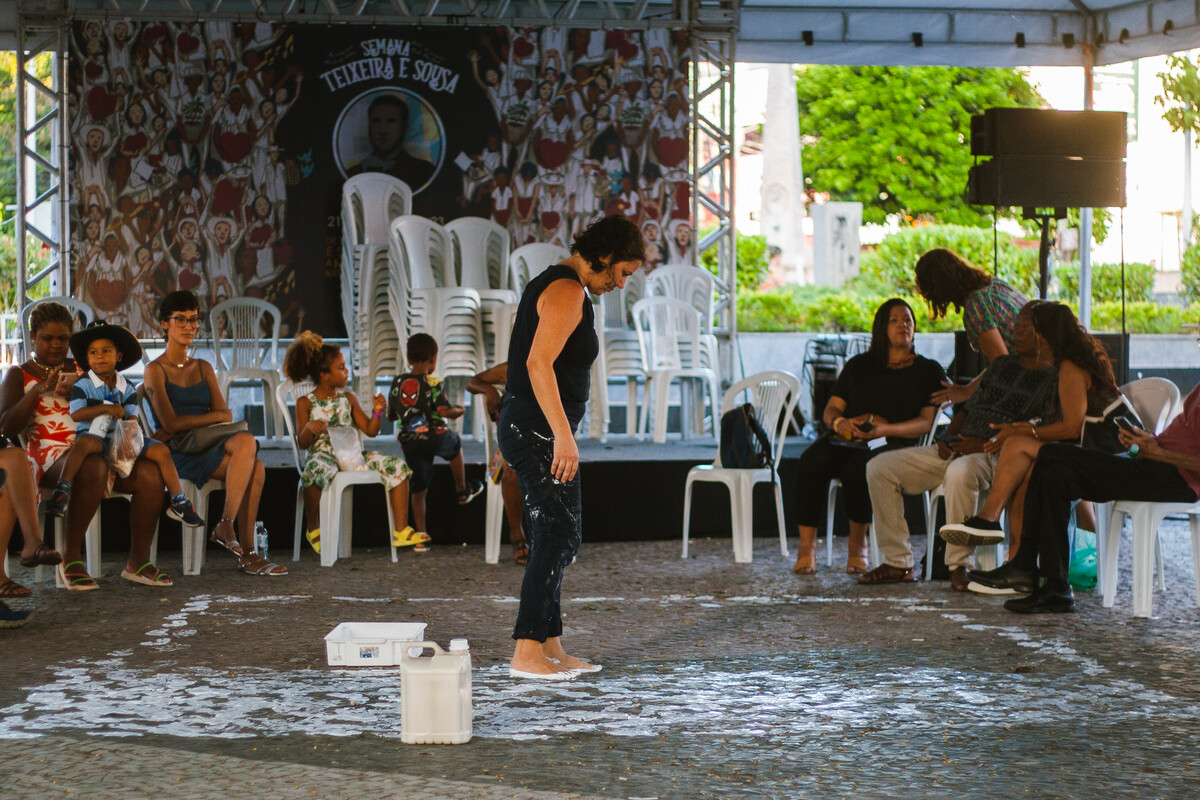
{"x":418,"y":403}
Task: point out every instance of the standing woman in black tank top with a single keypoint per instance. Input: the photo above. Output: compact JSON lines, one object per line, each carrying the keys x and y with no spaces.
{"x":550,"y":357}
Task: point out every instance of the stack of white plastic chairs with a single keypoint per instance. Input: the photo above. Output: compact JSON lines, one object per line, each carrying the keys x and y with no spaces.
{"x":370,"y":201}
{"x":481,"y":262}
{"x":422,"y":293}
{"x":694,"y":285}
{"x":622,"y":353}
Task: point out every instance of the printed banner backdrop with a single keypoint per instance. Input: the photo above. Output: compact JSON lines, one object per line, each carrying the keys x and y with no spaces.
{"x":210,"y":156}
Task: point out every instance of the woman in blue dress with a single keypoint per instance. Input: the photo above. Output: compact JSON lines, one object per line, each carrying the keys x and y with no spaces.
{"x":185,"y":396}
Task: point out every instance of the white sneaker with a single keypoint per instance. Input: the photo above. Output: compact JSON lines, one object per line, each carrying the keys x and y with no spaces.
{"x":979,"y":588}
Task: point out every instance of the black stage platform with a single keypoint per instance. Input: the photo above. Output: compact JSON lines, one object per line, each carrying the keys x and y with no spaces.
{"x":632,"y":490}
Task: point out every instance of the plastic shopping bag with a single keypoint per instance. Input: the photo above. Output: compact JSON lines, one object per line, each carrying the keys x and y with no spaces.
{"x":347,"y":447}
{"x":1082,"y":573}
{"x":124,"y":446}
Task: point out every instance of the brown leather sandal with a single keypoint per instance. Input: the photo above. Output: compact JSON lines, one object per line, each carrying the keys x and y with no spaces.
{"x":520,"y":552}
{"x":886,"y":573}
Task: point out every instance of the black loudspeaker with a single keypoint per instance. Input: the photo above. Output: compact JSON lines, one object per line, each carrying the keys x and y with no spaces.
{"x":1044,"y":132}
{"x":967,"y":362}
{"x":1047,"y":182}
{"x":1048,"y":159}
{"x":1117,"y":346}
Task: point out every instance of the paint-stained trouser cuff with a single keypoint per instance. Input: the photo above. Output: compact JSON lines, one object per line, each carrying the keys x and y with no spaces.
{"x":554,"y":529}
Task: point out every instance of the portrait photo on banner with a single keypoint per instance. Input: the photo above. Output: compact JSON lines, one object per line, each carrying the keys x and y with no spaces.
{"x":210,"y":156}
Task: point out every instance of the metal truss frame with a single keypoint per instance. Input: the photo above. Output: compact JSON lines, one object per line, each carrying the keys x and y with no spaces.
{"x":712,"y":26}
{"x":36,"y":35}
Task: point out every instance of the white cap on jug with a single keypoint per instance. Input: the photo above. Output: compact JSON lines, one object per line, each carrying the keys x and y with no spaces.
{"x":458,"y":644}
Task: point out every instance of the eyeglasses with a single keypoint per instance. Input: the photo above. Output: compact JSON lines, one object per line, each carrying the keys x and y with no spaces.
{"x":185,"y":322}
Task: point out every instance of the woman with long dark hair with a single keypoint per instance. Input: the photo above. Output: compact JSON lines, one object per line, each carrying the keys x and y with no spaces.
{"x":1087,"y":391}
{"x":888,"y":382}
{"x":989,"y":305}
{"x":549,"y":373}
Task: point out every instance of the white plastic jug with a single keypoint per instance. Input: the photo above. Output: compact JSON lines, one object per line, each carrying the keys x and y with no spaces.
{"x":435,"y":693}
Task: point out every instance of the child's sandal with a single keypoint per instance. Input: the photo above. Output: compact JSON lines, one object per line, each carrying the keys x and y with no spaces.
{"x":409,"y":537}
{"x":314,"y":538}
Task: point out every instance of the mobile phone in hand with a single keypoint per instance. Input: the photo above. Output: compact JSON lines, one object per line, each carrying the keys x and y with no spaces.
{"x":1124,"y":424}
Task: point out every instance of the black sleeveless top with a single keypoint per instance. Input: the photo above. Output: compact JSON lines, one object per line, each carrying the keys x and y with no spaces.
{"x":572,"y":368}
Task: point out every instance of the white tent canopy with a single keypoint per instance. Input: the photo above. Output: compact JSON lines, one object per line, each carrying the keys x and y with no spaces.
{"x":976,"y":33}
{"x":883,"y":32}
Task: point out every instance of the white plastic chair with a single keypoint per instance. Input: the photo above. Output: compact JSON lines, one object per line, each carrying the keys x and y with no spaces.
{"x":694,"y":285}
{"x":370,"y":201}
{"x":80,"y":310}
{"x":337,"y":507}
{"x":237,"y":334}
{"x":480,"y":248}
{"x":774,"y":395}
{"x":1157,"y":401}
{"x":530,"y":260}
{"x":669,"y":339}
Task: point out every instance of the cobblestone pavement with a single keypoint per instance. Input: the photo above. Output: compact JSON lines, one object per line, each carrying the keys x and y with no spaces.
{"x":720,"y":680}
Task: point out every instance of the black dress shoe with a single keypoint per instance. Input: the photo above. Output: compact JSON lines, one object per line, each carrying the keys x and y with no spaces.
{"x":1006,"y":576}
{"x":1042,"y":601}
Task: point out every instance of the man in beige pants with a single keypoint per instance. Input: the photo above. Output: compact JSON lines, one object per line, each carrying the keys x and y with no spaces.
{"x":1014,"y":387}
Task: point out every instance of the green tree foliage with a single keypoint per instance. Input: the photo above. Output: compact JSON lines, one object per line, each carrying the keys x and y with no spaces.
{"x":898,"y":139}
{"x":1106,"y":282}
{"x":1181,"y":94}
{"x":752,"y":263}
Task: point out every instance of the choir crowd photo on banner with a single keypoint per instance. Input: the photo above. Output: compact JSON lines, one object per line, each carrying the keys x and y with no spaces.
{"x":210,"y":156}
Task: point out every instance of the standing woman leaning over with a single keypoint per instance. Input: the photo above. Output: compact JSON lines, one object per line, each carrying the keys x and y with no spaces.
{"x":186,"y":399}
{"x":883,"y":392}
{"x":989,"y":305}
{"x":549,"y":369}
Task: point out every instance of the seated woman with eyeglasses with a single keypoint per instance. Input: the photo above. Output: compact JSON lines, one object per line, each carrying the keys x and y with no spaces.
{"x":185,"y":396}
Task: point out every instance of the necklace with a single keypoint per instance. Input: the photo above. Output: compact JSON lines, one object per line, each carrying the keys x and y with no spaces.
{"x":40,"y":365}
{"x":186,"y":359}
{"x":906,"y":362}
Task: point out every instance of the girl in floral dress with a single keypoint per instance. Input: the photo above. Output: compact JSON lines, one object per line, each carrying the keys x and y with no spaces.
{"x":329,"y":406}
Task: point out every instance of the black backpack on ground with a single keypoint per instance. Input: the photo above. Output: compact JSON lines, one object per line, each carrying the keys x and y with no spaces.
{"x":744,"y":443}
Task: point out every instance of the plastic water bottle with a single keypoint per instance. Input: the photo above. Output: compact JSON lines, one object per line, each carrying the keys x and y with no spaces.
{"x":435,"y":693}
{"x":260,"y":538}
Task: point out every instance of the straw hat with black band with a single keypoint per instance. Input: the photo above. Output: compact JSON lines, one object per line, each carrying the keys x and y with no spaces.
{"x":119,"y":335}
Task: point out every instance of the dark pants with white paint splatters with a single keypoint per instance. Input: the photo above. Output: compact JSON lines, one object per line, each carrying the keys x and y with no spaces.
{"x":553,"y":528}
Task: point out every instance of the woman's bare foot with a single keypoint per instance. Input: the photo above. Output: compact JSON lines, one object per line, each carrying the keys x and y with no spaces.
{"x":529,"y":658}
{"x":553,"y":649}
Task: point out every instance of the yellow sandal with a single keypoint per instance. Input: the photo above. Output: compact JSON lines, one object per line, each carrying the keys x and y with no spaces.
{"x":408,"y":537}
{"x":314,"y":538}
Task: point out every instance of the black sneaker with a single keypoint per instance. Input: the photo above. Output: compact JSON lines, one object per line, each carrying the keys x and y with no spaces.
{"x":183,"y":512}
{"x":1006,"y":577}
{"x":56,"y":505}
{"x":473,"y":490}
{"x":973,"y":532}
{"x":1044,"y":600}
{"x":13,"y":619}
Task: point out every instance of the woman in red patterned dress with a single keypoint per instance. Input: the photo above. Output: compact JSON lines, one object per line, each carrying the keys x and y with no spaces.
{"x":34,"y":403}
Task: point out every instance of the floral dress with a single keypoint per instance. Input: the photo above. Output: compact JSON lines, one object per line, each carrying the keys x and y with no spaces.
{"x":320,"y":467}
{"x":50,"y":432}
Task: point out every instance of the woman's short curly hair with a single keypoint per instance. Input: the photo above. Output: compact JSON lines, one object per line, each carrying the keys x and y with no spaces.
{"x":49,"y":311}
{"x":614,"y":238}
